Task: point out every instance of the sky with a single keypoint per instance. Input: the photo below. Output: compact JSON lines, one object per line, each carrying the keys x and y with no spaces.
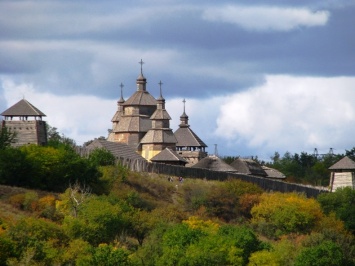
{"x":258,"y":77}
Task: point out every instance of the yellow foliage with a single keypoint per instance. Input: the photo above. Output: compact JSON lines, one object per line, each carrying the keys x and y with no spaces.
{"x":195,"y":223}
{"x":288,"y":212}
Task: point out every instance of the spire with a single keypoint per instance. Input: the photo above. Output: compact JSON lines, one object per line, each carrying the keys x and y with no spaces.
{"x":161,"y":94}
{"x":141,"y":63}
{"x":121,"y":100}
{"x":161,"y":100}
{"x":184,"y":119}
{"x":141,"y":80}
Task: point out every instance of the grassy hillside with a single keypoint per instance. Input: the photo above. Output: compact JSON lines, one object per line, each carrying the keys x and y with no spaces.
{"x":149,"y":219}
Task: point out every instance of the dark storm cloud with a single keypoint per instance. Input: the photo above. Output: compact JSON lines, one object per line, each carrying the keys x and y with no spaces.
{"x":210,"y":56}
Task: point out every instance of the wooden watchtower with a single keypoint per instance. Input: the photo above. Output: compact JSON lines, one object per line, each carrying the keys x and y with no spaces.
{"x":342,"y":174}
{"x":26,"y":120}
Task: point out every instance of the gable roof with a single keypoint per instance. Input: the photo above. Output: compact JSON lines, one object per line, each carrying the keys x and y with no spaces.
{"x":23,"y":108}
{"x":344,"y":164}
{"x":117,"y":149}
{"x":248,"y":166}
{"x":273,"y":173}
{"x":187,"y":138}
{"x":168,"y":155}
{"x":215,"y":164}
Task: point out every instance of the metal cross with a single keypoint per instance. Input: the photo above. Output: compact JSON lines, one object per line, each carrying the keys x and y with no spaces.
{"x":141,"y":63}
{"x":184,"y":104}
{"x":160,"y":83}
{"x":121,"y":85}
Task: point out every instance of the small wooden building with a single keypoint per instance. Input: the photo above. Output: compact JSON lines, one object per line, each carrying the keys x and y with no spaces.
{"x":214,"y":163}
{"x":26,"y":120}
{"x":342,"y":174}
{"x":248,"y":167}
{"x":189,"y":145}
{"x":169,"y":156}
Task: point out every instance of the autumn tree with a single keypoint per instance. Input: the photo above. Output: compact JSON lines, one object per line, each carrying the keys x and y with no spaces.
{"x":342,"y":203}
{"x":279,"y":214}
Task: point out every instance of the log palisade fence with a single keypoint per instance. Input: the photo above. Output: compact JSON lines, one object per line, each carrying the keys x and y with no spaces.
{"x":188,"y":172}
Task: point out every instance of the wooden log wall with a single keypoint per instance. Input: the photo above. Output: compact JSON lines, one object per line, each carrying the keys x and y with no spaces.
{"x":187,"y":172}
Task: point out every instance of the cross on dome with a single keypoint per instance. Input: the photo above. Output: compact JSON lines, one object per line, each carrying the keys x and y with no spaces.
{"x":141,"y":63}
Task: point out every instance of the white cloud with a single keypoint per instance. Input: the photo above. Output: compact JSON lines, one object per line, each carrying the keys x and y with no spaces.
{"x":291,"y":114}
{"x":263,"y":18}
{"x":285,"y":114}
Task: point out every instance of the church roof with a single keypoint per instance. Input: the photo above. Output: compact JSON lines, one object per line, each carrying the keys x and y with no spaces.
{"x":117,"y":116}
{"x":160,"y":114}
{"x":344,"y":164}
{"x":248,"y":166}
{"x":140,"y":98}
{"x":158,"y":136}
{"x":117,"y":149}
{"x":187,"y":138}
{"x":133,"y":124}
{"x":23,"y":108}
{"x":168,"y":155}
{"x":215,"y":164}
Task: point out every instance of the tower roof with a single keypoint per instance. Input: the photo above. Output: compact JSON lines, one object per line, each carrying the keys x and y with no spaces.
{"x":344,"y":164}
{"x":187,"y":138}
{"x":23,"y":108}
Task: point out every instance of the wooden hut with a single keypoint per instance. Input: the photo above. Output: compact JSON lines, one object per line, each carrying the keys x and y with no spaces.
{"x":248,"y":167}
{"x":214,"y":163}
{"x":273,"y":173}
{"x":169,"y":156}
{"x":342,"y":174}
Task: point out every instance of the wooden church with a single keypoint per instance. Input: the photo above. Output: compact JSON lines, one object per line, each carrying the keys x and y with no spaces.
{"x":143,"y":123}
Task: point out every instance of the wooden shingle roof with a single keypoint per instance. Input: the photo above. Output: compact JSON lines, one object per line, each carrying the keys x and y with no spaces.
{"x":187,"y":138}
{"x":168,"y":155}
{"x":344,"y":164}
{"x":215,"y":164}
{"x":141,"y":98}
{"x":158,"y":136}
{"x":117,"y":149}
{"x":23,"y":108}
{"x":133,"y":124}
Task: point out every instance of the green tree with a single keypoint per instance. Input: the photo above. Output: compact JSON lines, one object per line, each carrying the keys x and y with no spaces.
{"x":15,"y":169}
{"x":342,"y":203}
{"x":7,"y":137}
{"x":101,"y":157}
{"x":98,"y":221}
{"x":55,"y":168}
{"x":326,"y":253}
{"x":107,"y":255}
{"x":43,"y":238}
